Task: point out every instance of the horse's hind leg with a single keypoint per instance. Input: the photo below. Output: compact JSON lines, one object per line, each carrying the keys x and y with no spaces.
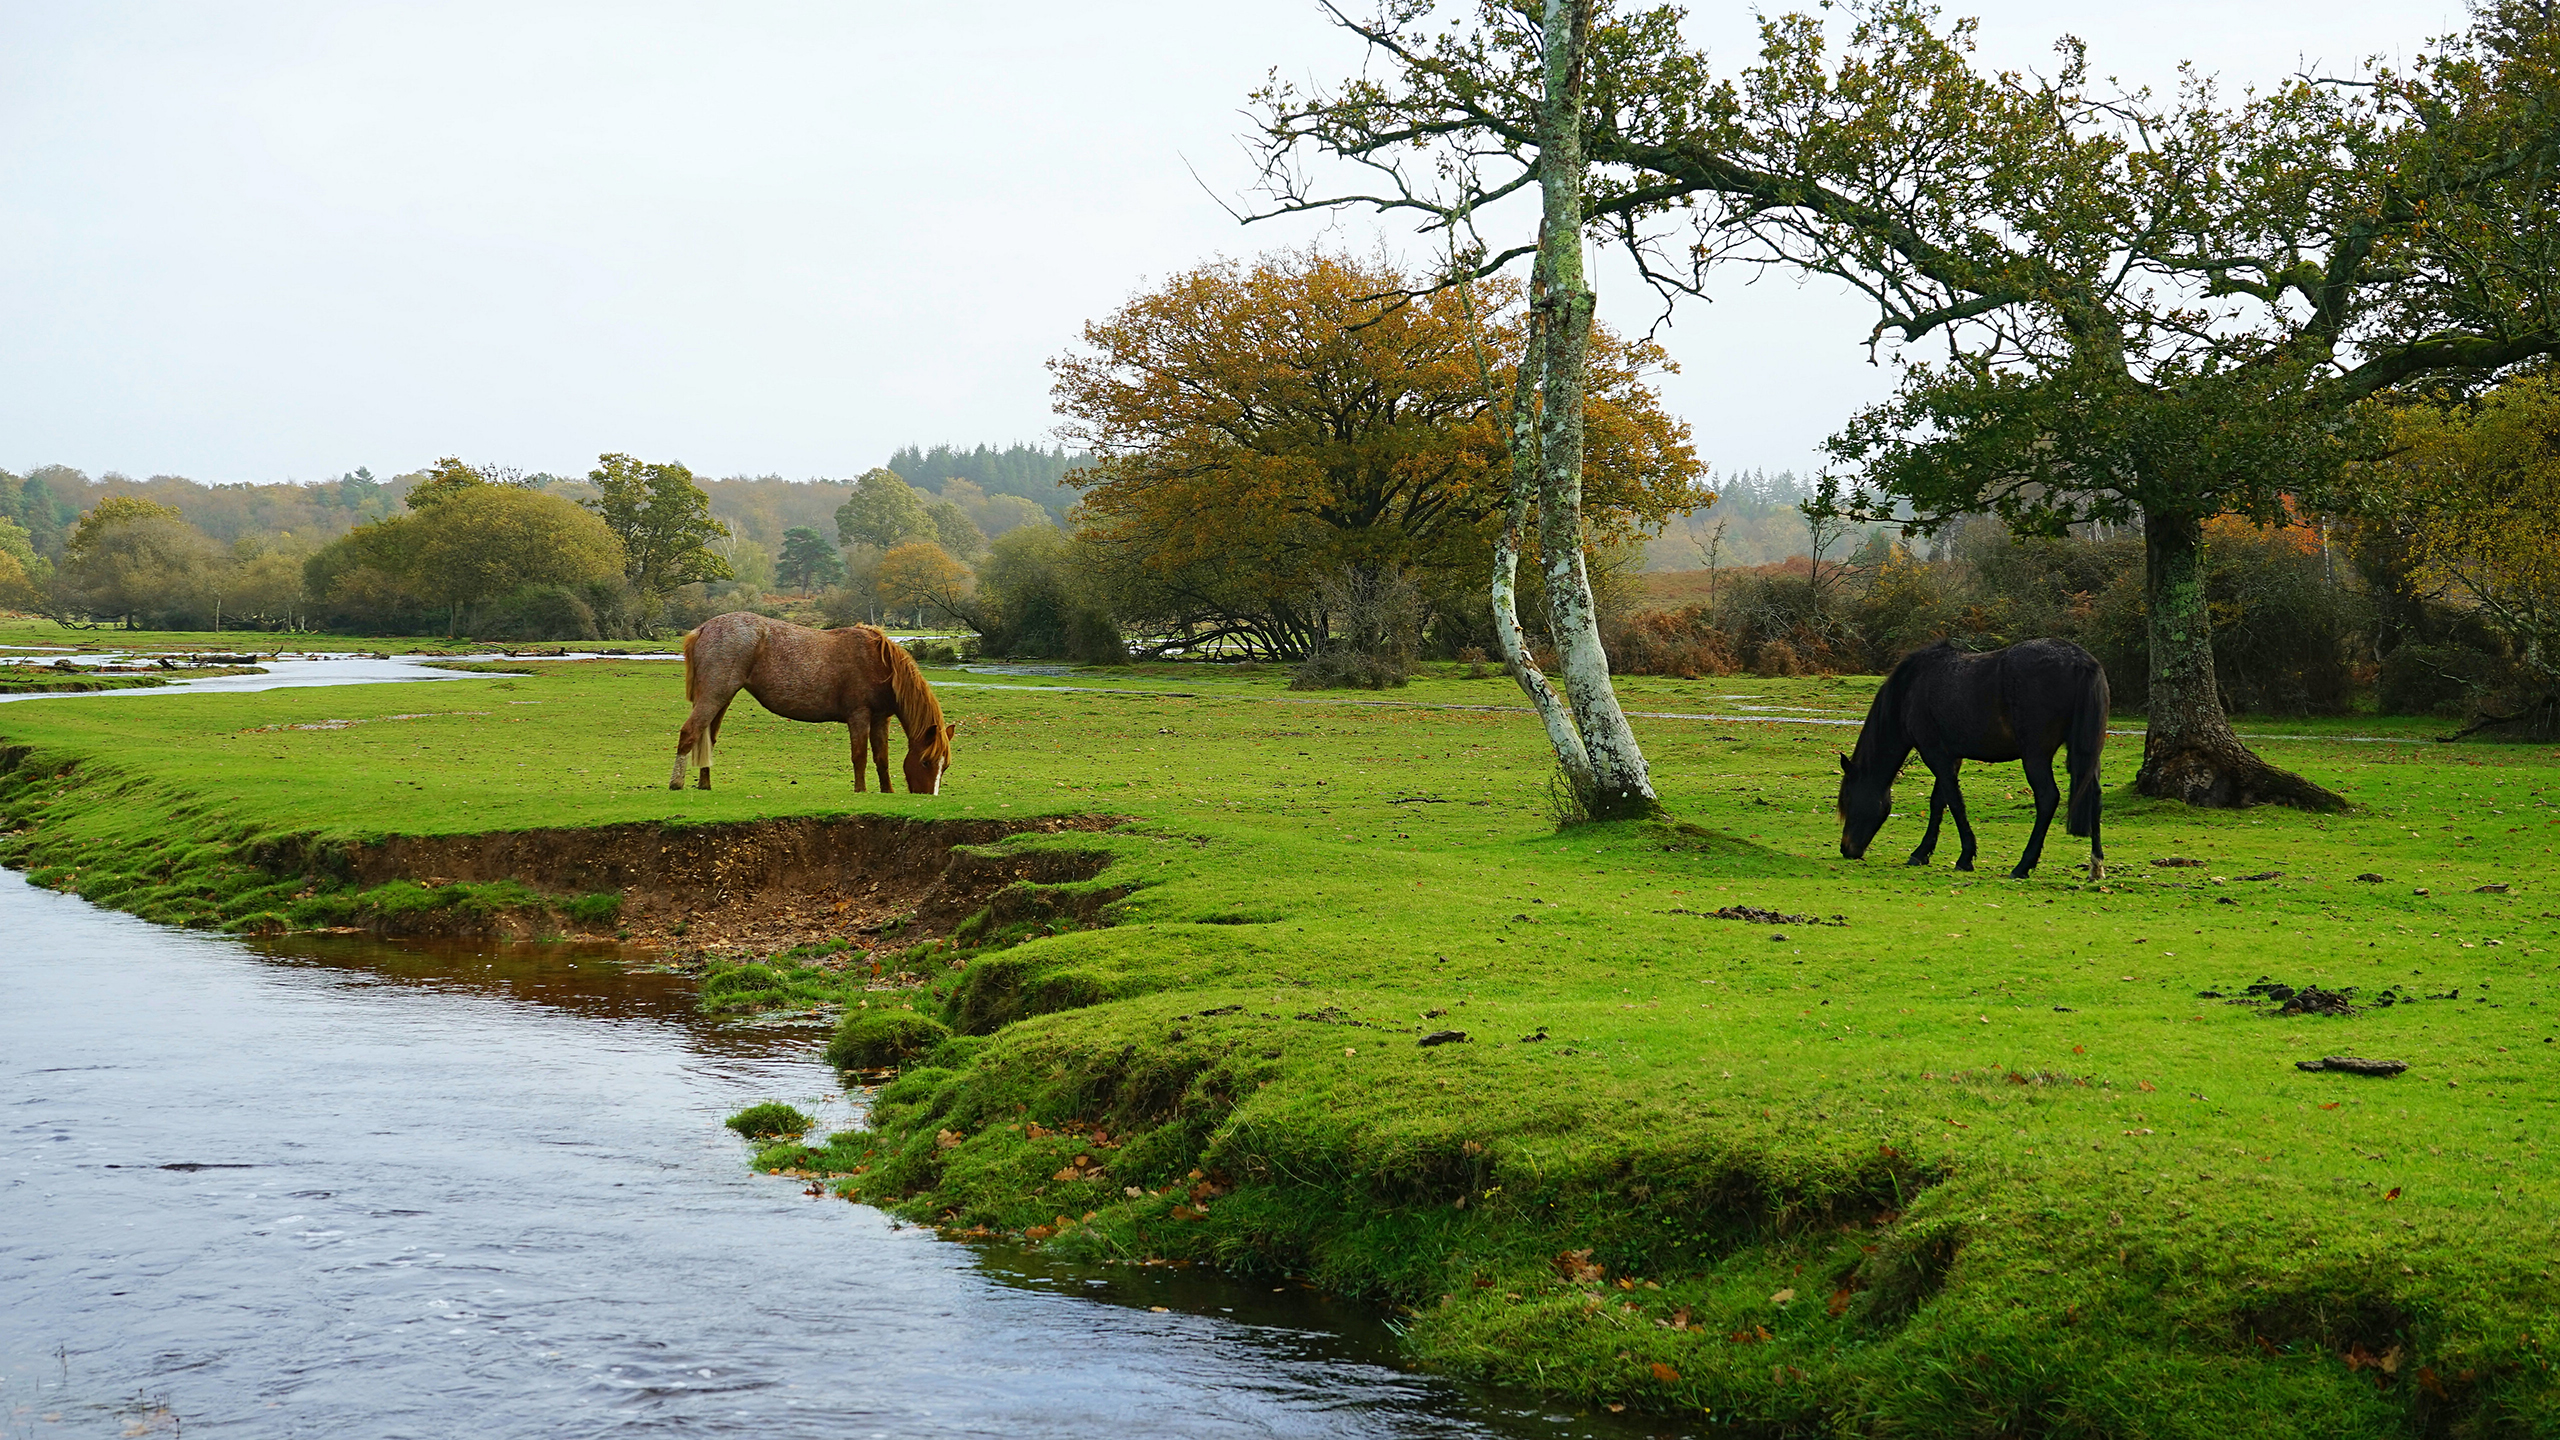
{"x":879,"y":752}
{"x":2048,"y":799}
{"x":858,"y":726}
{"x":1939,"y":790}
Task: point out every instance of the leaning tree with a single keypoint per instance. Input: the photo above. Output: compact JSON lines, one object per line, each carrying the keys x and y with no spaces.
{"x":2151,"y":310}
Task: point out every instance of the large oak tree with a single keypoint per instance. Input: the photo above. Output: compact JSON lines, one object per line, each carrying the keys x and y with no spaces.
{"x":2154,"y":310}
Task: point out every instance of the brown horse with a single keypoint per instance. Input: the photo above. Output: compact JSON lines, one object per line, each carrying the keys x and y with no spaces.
{"x":855,"y":675}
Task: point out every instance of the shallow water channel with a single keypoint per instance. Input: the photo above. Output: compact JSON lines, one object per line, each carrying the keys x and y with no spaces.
{"x":333,"y":1186}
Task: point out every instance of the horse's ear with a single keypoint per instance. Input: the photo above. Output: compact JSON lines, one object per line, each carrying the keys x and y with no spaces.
{"x":950,"y":728}
{"x":1844,"y":764}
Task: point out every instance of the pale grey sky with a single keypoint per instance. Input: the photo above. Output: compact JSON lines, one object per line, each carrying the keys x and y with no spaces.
{"x":260,"y":241}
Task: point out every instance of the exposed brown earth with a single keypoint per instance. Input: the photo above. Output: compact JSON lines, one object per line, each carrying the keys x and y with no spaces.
{"x":752,"y":888}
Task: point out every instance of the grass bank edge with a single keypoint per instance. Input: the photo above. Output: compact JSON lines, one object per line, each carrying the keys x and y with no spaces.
{"x":1132,"y":1112}
{"x":120,"y":838}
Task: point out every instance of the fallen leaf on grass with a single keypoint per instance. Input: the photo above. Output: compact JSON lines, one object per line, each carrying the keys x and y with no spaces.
{"x":1839,"y":1303}
{"x":1665,"y":1373}
{"x":1782,"y":1297}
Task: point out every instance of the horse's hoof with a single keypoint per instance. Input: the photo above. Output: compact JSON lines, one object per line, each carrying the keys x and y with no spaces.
{"x":1964,"y":865}
{"x":1917,"y":860}
{"x":2020,"y":873}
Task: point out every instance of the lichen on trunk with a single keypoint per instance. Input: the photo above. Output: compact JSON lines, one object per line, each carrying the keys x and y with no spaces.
{"x":1617,"y":786}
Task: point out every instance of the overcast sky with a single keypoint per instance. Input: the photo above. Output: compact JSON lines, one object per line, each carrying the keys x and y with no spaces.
{"x":262,"y":241}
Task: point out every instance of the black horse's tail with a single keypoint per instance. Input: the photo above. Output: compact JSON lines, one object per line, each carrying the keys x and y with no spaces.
{"x":2087,"y":736}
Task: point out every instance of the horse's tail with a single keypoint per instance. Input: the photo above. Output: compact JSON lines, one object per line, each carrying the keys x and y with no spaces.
{"x":688,"y":663}
{"x":2087,"y":736}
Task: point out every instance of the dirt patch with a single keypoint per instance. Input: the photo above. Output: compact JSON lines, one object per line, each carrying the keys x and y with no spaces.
{"x":755,"y":887}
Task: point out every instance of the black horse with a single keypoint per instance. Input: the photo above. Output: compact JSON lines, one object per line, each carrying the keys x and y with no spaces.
{"x":2021,"y":703}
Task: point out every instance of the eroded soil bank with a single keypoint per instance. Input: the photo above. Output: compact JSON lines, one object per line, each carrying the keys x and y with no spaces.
{"x":735,"y":889}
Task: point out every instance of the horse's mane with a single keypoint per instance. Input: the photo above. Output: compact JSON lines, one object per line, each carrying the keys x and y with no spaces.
{"x":1884,"y":729}
{"x":918,"y":711}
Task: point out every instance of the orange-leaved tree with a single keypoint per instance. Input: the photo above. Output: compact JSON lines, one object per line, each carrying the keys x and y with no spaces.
{"x":1261,"y":426}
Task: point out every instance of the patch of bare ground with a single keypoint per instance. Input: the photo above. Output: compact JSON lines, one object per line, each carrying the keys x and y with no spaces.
{"x":752,"y":888}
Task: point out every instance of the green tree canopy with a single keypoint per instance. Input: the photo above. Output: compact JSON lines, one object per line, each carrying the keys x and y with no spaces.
{"x":663,"y":520}
{"x":129,"y":559}
{"x":485,"y":542}
{"x":882,"y":512}
{"x":953,"y":530}
{"x":808,"y":561}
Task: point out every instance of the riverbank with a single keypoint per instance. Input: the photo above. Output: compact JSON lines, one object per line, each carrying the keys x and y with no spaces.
{"x":1955,"y":1156}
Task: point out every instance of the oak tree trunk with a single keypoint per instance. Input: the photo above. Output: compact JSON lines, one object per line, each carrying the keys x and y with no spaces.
{"x":2190,"y":752}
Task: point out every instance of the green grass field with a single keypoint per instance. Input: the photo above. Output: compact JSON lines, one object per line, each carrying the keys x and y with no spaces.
{"x":1977,"y":1159}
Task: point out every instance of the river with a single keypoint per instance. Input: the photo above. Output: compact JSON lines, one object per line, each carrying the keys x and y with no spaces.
{"x":332,"y":1186}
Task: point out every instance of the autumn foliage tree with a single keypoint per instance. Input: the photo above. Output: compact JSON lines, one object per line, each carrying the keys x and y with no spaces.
{"x":918,"y":575}
{"x":1260,"y":426}
{"x":2476,"y":483}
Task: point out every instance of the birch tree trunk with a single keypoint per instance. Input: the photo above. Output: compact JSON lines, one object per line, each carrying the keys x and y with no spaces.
{"x":1562,"y":736}
{"x":1564,"y":303}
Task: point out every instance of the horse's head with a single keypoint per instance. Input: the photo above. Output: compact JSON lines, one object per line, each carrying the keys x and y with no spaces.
{"x":928,"y":756}
{"x":1865,"y":801}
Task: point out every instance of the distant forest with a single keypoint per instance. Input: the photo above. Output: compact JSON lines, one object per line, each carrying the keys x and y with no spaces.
{"x":1757,"y":508}
{"x":1762,"y":525}
{"x":46,"y":502}
{"x":1034,"y":474}
{"x":49,"y":499}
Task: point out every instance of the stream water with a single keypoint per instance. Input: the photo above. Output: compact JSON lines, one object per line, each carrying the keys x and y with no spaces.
{"x":339,"y":1187}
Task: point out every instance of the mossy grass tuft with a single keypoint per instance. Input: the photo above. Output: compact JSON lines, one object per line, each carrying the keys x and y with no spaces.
{"x":770,"y":1120}
{"x":869,"y":1039}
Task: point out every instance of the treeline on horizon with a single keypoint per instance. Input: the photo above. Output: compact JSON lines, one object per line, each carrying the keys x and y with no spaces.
{"x":47,"y":500}
{"x":348,"y":553}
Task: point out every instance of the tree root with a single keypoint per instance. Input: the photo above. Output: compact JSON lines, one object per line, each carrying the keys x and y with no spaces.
{"x":2538,"y":720}
{"x":2226,"y":777}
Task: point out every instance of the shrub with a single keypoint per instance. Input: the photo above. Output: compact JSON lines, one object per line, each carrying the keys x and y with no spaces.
{"x":934,"y":652}
{"x":1685,"y":643}
{"x":538,"y":612}
{"x":595,"y":911}
{"x":883,"y":1039}
{"x":1341,"y":668}
{"x":2421,"y":679}
{"x":771,"y":1120}
{"x":2284,"y":635}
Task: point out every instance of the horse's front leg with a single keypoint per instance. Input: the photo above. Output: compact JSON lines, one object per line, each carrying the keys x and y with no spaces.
{"x":880,"y":751}
{"x":2048,"y":799}
{"x":858,"y":726}
{"x":694,"y":742}
{"x":1955,"y":808}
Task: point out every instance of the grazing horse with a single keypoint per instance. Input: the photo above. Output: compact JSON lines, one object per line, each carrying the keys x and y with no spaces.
{"x":855,"y":675}
{"x":2021,"y":703}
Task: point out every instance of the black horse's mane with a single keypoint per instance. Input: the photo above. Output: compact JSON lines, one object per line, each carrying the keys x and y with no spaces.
{"x":1883,"y":734}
